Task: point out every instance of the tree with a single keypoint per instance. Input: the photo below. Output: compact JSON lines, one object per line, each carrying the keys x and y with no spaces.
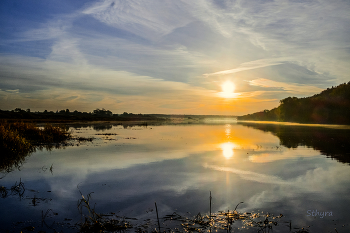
{"x":102,"y":112}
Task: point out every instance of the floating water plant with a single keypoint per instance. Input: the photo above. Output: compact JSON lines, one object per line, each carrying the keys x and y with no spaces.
{"x":82,"y":139}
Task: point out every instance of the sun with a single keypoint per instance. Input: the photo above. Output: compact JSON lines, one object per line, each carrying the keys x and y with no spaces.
{"x":228,"y":89}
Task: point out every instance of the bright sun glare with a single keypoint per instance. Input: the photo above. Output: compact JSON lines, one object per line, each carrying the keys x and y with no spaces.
{"x":228,"y":89}
{"x":227,"y":149}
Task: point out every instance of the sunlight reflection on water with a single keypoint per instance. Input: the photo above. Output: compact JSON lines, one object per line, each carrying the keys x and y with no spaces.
{"x":227,"y":149}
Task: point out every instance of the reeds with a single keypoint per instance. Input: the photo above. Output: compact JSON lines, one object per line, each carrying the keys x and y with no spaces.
{"x":15,"y":190}
{"x":221,"y":221}
{"x":31,"y":133}
{"x":94,"y":222}
{"x":19,"y":139}
{"x":14,"y":147}
{"x":12,"y":141}
{"x":47,"y":134}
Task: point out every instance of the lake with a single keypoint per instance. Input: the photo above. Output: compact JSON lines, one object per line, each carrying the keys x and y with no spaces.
{"x":301,"y":172}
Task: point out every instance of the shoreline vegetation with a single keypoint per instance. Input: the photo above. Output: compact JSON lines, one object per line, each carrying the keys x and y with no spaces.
{"x":19,"y":139}
{"x":331,"y":106}
{"x":102,"y":115}
{"x":68,"y":116}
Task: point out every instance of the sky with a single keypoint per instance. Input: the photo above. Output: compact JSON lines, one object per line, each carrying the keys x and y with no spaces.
{"x":170,"y":56}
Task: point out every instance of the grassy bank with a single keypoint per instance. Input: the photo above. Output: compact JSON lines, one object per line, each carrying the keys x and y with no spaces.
{"x":18,"y":139}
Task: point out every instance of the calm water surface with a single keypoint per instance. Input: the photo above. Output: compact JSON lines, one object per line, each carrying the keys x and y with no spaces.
{"x":294,"y":171}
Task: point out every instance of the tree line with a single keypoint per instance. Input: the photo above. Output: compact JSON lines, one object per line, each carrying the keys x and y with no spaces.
{"x":66,"y":114}
{"x":331,"y":106}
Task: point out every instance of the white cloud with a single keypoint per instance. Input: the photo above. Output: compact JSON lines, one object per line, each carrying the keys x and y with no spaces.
{"x":251,"y":65}
{"x":51,"y":30}
{"x":293,"y":87}
{"x":149,"y":19}
{"x":249,"y":175}
{"x":318,"y":180}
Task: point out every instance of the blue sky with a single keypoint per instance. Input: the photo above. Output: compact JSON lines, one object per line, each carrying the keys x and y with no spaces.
{"x":163,"y":56}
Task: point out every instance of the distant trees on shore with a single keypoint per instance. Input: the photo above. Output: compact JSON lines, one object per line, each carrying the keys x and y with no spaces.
{"x":97,"y":114}
{"x":331,"y":106}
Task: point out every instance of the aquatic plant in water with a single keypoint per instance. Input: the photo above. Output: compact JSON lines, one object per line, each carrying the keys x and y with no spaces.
{"x":221,"y":221}
{"x":94,"y":222}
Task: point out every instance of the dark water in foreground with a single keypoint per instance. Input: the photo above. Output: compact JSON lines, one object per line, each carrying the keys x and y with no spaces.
{"x":299,"y":171}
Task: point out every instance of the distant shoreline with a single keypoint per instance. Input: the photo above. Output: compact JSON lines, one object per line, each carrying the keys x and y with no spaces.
{"x":92,"y":121}
{"x":331,"y":126}
{"x":101,"y":115}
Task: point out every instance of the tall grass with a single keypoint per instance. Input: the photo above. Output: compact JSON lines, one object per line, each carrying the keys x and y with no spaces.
{"x":49,"y":134}
{"x":12,"y":142}
{"x":19,"y":139}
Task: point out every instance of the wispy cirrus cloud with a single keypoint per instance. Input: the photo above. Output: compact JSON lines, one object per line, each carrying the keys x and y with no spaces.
{"x":144,"y":18}
{"x":251,"y":66}
{"x":249,"y":175}
{"x":290,"y":87}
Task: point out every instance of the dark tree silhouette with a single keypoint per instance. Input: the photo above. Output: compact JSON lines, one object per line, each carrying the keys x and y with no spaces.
{"x":331,"y":106}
